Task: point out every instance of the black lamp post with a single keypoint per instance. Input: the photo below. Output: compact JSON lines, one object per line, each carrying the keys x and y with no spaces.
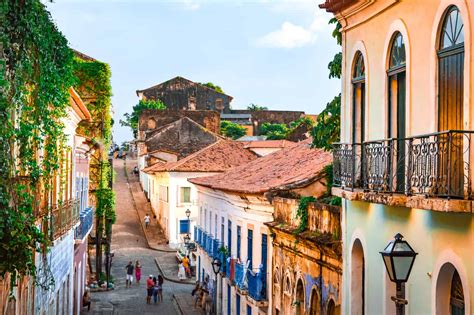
{"x":188,"y":214}
{"x":398,"y":257}
{"x":216,"y":267}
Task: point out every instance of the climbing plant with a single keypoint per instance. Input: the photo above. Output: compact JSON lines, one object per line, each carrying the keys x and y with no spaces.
{"x":131,"y":119}
{"x":35,"y":75}
{"x":93,"y":85}
{"x":302,"y":213}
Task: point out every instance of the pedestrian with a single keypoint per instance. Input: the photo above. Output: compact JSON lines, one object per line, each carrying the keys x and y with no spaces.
{"x":181,"y":272}
{"x":129,"y":267}
{"x":155,"y":290}
{"x":86,"y":300}
{"x":138,"y":271}
{"x":149,"y":288}
{"x":160,"y":287}
{"x":186,"y":265}
{"x":147,"y":220}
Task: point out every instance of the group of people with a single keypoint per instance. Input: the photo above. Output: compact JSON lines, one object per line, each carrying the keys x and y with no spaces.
{"x":202,"y":294}
{"x":154,"y":285}
{"x":184,"y":268}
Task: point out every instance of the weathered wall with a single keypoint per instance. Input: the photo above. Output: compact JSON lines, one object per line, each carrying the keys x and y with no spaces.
{"x":182,"y":94}
{"x":269,"y":116}
{"x":184,"y":138}
{"x":152,"y":119}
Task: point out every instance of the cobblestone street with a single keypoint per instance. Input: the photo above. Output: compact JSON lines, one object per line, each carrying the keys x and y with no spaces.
{"x":129,"y":243}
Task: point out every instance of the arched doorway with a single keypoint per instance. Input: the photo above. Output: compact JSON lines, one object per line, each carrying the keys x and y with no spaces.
{"x":449,"y":291}
{"x":299,"y":298}
{"x":357,"y":279}
{"x":331,"y":310}
{"x":450,"y":102}
{"x":315,"y":305}
{"x":396,"y":107}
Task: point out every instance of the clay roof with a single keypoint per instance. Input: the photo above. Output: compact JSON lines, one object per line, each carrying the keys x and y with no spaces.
{"x":268,"y":144}
{"x":217,"y":157}
{"x":294,"y":166}
{"x":336,"y":5}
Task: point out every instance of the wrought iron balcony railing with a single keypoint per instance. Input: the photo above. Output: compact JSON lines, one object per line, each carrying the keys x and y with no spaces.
{"x":86,"y":219}
{"x":433,"y":165}
{"x":63,"y":217}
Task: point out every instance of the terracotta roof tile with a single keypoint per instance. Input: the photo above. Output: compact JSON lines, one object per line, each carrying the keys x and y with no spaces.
{"x":268,"y":144}
{"x":217,"y":157}
{"x":295,"y":164}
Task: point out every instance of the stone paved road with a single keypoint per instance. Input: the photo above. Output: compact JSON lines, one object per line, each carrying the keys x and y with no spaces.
{"x":129,"y":243}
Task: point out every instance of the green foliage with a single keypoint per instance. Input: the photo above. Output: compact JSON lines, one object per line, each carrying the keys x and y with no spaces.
{"x":307,"y":121}
{"x":213,"y":86}
{"x":35,"y":75}
{"x":328,"y":125}
{"x":255,"y":107}
{"x":232,"y":130}
{"x":224,"y":250}
{"x":328,"y":198}
{"x":131,"y":119}
{"x":274,"y":131}
{"x":302,"y":213}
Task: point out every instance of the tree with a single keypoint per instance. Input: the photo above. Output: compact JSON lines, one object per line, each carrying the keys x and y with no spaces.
{"x":274,"y":131}
{"x":328,"y":125}
{"x":213,"y":86}
{"x":131,"y":120}
{"x":255,"y":107}
{"x":232,"y":130}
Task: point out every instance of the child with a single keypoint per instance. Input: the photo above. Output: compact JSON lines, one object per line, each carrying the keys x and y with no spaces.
{"x":147,"y":220}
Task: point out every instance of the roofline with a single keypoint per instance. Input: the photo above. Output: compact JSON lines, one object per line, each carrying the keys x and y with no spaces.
{"x":180,"y":77}
{"x":335,"y":6}
{"x":81,"y":109}
{"x":83,"y":56}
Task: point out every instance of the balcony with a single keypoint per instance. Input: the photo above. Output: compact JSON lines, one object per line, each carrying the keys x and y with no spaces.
{"x":411,"y":170}
{"x":256,"y":285}
{"x":86,"y":219}
{"x":63,"y":218}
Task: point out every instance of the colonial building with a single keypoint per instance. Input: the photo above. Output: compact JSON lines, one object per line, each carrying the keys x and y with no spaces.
{"x":233,"y":209}
{"x":57,"y":290}
{"x":404,"y":164}
{"x":170,"y":143}
{"x":262,"y":148}
{"x":182,"y":94}
{"x":171,"y":195}
{"x":307,"y":263}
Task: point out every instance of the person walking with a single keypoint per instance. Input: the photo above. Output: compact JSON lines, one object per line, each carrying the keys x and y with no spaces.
{"x":138,"y":271}
{"x":149,"y":288}
{"x":147,"y":220}
{"x":160,"y":288}
{"x":155,"y":290}
{"x":186,"y":265}
{"x":129,"y":267}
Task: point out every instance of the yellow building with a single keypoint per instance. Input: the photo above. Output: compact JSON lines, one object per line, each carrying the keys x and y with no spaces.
{"x":404,"y":164}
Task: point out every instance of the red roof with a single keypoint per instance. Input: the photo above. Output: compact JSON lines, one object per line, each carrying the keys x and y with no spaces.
{"x":217,"y":157}
{"x":336,"y":5}
{"x":268,"y":144}
{"x":291,"y":166}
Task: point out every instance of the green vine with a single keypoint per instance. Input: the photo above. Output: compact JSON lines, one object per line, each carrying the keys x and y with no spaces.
{"x":35,"y":75}
{"x":302,"y":213}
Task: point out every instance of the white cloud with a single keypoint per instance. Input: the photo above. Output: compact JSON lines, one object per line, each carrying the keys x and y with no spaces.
{"x":288,"y":36}
{"x":190,"y":5}
{"x":293,"y":36}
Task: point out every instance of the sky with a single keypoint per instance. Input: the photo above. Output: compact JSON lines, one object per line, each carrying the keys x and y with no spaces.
{"x":271,"y":53}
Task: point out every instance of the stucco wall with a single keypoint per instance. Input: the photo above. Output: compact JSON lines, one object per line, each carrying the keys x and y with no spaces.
{"x":436,"y":236}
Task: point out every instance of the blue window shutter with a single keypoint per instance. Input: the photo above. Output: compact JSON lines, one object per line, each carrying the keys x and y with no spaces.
{"x":250,"y":247}
{"x":249,"y":310}
{"x":229,"y":301}
{"x":229,"y":236}
{"x":238,"y":241}
{"x":183,"y":226}
{"x":237,"y":301}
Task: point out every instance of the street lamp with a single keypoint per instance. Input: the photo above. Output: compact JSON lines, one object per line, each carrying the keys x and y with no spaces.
{"x":216,"y":267}
{"x":188,"y":214}
{"x":398,"y":257}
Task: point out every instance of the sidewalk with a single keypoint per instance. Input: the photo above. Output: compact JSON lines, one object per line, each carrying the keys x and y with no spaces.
{"x":186,"y":304}
{"x":166,"y":261}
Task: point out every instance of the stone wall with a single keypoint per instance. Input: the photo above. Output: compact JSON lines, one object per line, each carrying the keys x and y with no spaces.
{"x":153,"y":119}
{"x":269,"y":116}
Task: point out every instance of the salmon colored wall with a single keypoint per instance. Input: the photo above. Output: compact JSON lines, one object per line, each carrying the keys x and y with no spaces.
{"x":370,"y":31}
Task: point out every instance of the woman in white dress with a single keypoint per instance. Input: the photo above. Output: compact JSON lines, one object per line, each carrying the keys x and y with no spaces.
{"x":181,"y":272}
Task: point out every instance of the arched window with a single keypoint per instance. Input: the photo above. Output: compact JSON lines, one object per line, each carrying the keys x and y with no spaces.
{"x":358,"y":99}
{"x":299,"y":298}
{"x":315,"y":307}
{"x":396,"y":106}
{"x":457,"y":295}
{"x":357,"y":279}
{"x":287,"y":296}
{"x":450,"y":97}
{"x":331,"y":307}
